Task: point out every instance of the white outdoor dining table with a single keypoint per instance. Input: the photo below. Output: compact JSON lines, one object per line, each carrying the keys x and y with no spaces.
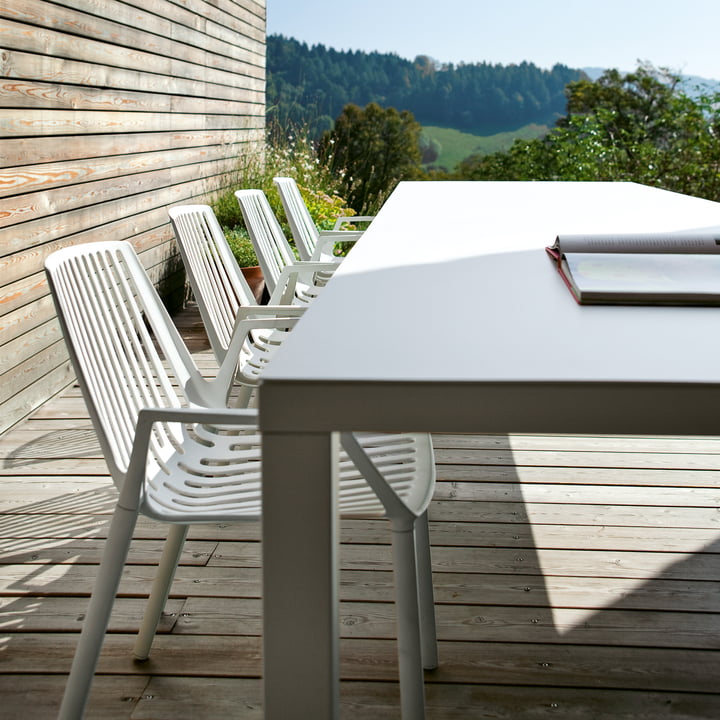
{"x":449,"y":316}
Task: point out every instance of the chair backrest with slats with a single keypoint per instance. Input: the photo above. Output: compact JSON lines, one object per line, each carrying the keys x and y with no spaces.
{"x":125,"y":350}
{"x":213,"y":272}
{"x":271,"y":246}
{"x":304,"y":230}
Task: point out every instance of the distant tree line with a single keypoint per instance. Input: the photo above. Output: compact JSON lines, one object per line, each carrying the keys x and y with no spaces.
{"x":639,"y":126}
{"x":310,"y":86}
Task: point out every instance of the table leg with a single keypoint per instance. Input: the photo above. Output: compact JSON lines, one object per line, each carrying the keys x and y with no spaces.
{"x":300,"y":597}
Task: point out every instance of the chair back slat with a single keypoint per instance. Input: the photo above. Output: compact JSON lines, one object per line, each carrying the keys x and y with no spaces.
{"x":271,"y":246}
{"x":304,"y":230}
{"x":213,"y":272}
{"x":126,"y":353}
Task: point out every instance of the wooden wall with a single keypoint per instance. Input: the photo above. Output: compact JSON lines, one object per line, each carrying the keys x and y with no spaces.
{"x":110,"y":112}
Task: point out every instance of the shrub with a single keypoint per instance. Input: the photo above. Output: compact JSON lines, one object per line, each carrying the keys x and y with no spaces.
{"x":289,"y":155}
{"x":241,"y":246}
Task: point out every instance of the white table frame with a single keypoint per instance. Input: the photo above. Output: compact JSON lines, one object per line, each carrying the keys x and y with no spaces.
{"x":583,"y":370}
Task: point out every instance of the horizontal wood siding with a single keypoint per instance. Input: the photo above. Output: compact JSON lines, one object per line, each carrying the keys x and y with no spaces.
{"x":110,"y":112}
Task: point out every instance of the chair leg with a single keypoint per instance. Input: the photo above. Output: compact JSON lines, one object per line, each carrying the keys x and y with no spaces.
{"x":428,"y":632}
{"x":412,"y":689}
{"x":242,"y":395}
{"x":97,"y":618}
{"x":160,"y":590}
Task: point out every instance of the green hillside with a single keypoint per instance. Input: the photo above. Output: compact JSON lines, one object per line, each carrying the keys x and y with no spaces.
{"x":456,"y":145}
{"x":310,"y":86}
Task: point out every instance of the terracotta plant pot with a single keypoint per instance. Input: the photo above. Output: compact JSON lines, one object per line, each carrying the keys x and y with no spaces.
{"x":255,"y":280}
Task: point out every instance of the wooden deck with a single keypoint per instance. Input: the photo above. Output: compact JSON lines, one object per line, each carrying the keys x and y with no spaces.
{"x":576,"y":577}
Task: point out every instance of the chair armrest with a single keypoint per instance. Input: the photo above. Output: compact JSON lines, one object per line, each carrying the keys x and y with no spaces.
{"x":272,"y":311}
{"x":285,"y":288}
{"x":327,"y":240}
{"x":222,"y":383}
{"x":194,"y":414}
{"x":341,"y":235}
{"x":353,"y":219}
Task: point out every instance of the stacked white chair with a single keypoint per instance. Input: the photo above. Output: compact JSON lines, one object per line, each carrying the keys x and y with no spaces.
{"x":274,"y":253}
{"x":224,"y":297}
{"x":177,"y":454}
{"x":313,"y":244}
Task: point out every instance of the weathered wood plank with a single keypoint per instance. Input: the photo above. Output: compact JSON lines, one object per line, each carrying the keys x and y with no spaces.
{"x":580,"y":493}
{"x":580,"y":514}
{"x":166,"y":698}
{"x":368,"y":659}
{"x":683,"y":461}
{"x":89,"y":551}
{"x":37,"y":697}
{"x":242,"y":616}
{"x":581,"y":475}
{"x":49,"y":233}
{"x":18,"y":152}
{"x":36,"y":94}
{"x":529,"y":591}
{"x":603,"y":443}
{"x":532,"y":561}
{"x":66,"y":614}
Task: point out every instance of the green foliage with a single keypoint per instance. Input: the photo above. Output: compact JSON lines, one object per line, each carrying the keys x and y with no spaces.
{"x":371,"y":150}
{"x":325,"y":209}
{"x":637,"y":127}
{"x":289,"y":155}
{"x":309,"y":85}
{"x":241,"y":246}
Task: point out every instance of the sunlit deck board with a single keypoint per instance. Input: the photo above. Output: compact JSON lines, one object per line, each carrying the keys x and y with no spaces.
{"x":575,"y":577}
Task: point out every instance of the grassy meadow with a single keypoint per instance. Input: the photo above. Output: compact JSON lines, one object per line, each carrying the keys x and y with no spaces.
{"x":456,"y":145}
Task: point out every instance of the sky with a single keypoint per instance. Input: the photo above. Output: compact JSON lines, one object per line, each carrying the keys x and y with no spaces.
{"x":682,"y":36}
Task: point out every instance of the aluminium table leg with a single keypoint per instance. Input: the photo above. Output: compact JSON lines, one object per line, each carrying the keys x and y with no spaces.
{"x":300,"y":596}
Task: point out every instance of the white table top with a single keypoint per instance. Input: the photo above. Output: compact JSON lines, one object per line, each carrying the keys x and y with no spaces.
{"x":451,"y":284}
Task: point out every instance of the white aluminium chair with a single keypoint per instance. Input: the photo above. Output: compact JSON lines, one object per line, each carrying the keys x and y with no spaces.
{"x":274,"y":253}
{"x":178,"y":455}
{"x":224,"y":297}
{"x":313,"y":244}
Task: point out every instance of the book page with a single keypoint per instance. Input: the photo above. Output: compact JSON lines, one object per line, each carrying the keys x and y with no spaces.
{"x":690,"y":242}
{"x":606,"y":274}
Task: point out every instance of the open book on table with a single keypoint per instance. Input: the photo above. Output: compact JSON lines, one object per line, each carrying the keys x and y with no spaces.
{"x":679,"y":268}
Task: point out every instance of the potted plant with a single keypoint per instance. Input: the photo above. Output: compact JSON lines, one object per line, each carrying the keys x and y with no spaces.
{"x":242,"y":248}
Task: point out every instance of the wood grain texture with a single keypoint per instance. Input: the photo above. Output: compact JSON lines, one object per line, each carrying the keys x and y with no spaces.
{"x":111,"y":112}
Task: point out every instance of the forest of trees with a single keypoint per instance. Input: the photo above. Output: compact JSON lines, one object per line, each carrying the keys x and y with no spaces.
{"x":310,"y":86}
{"x":639,"y":126}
